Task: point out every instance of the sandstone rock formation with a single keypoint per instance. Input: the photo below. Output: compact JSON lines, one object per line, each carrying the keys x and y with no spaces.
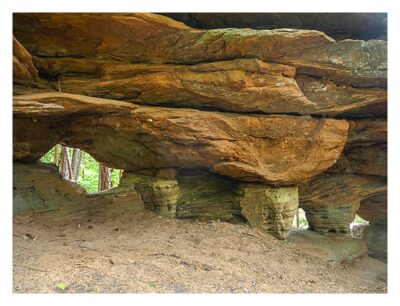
{"x":39,"y":188}
{"x":243,"y":147}
{"x":332,"y":199}
{"x":207,"y":124}
{"x":271,"y":209}
{"x":337,"y":25}
{"x":158,"y":39}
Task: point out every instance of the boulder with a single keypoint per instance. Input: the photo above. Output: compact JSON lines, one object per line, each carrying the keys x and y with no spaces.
{"x":331,"y":248}
{"x":150,"y":38}
{"x":275,"y":150}
{"x":376,"y":237}
{"x":39,"y":188}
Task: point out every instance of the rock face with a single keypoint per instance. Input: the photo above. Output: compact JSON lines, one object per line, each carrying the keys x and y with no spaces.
{"x":208,"y":124}
{"x":243,"y":147}
{"x":240,"y":85}
{"x":337,"y":25}
{"x":332,"y":199}
{"x":159,"y":40}
{"x":23,"y":68}
{"x":271,"y":209}
{"x":206,"y":196}
{"x":39,"y":188}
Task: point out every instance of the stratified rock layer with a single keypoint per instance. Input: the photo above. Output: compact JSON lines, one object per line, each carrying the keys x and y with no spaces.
{"x":240,"y":85}
{"x":206,"y":196}
{"x":277,"y":150}
{"x":338,"y":25}
{"x":271,"y":209}
{"x":332,"y":200}
{"x":149,"y":38}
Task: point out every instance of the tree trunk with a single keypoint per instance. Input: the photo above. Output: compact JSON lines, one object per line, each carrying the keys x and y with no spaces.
{"x":56,"y":153}
{"x":65,"y":164}
{"x":297,"y":218}
{"x":77,"y":156}
{"x":104,"y":177}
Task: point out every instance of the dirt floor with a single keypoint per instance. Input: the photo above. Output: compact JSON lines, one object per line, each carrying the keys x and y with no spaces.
{"x":142,"y":252}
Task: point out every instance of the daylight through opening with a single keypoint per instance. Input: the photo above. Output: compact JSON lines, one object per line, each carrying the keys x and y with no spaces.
{"x":78,"y":166}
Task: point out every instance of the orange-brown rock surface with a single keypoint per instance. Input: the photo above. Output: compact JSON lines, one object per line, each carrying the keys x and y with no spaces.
{"x":150,"y":95}
{"x":357,"y":183}
{"x":240,"y":85}
{"x":23,"y":68}
{"x":244,"y":147}
{"x":149,"y":38}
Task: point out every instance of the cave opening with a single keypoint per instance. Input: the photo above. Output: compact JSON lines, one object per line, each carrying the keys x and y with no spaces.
{"x":76,"y":165}
{"x":300,"y":220}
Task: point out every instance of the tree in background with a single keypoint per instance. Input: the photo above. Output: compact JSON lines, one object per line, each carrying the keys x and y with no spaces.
{"x":104,"y":178}
{"x":84,"y":168}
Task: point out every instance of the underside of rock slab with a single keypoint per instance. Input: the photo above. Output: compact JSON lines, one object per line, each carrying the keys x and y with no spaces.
{"x":276,"y":150}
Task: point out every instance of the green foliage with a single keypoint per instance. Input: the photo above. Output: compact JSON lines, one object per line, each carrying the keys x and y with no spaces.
{"x":61,"y":286}
{"x":88,"y":172}
{"x":48,"y":158}
{"x":359,"y":220}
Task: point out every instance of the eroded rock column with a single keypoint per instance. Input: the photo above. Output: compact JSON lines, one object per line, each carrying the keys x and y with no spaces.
{"x":159,"y":194}
{"x":269,"y":208}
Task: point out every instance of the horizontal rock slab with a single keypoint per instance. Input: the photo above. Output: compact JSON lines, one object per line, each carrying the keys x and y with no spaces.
{"x":331,"y":248}
{"x":276,"y":150}
{"x":240,"y":85}
{"x":344,"y":101}
{"x":332,"y":200}
{"x":363,"y":159}
{"x":150,"y":38}
{"x":338,"y":25}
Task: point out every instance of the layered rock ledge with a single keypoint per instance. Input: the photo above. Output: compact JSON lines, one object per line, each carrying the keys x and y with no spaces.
{"x":244,"y":147}
{"x":226,"y":124}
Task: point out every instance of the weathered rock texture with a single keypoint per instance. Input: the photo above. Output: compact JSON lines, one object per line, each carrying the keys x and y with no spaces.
{"x":39,"y":188}
{"x":149,"y":38}
{"x":206,"y":196}
{"x":246,"y":137}
{"x":374,"y":209}
{"x":271,"y":209}
{"x":240,"y":85}
{"x":338,"y":25}
{"x":332,"y":199}
{"x":244,"y":147}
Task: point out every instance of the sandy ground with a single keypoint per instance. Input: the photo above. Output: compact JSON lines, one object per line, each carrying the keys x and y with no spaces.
{"x":142,"y":252}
